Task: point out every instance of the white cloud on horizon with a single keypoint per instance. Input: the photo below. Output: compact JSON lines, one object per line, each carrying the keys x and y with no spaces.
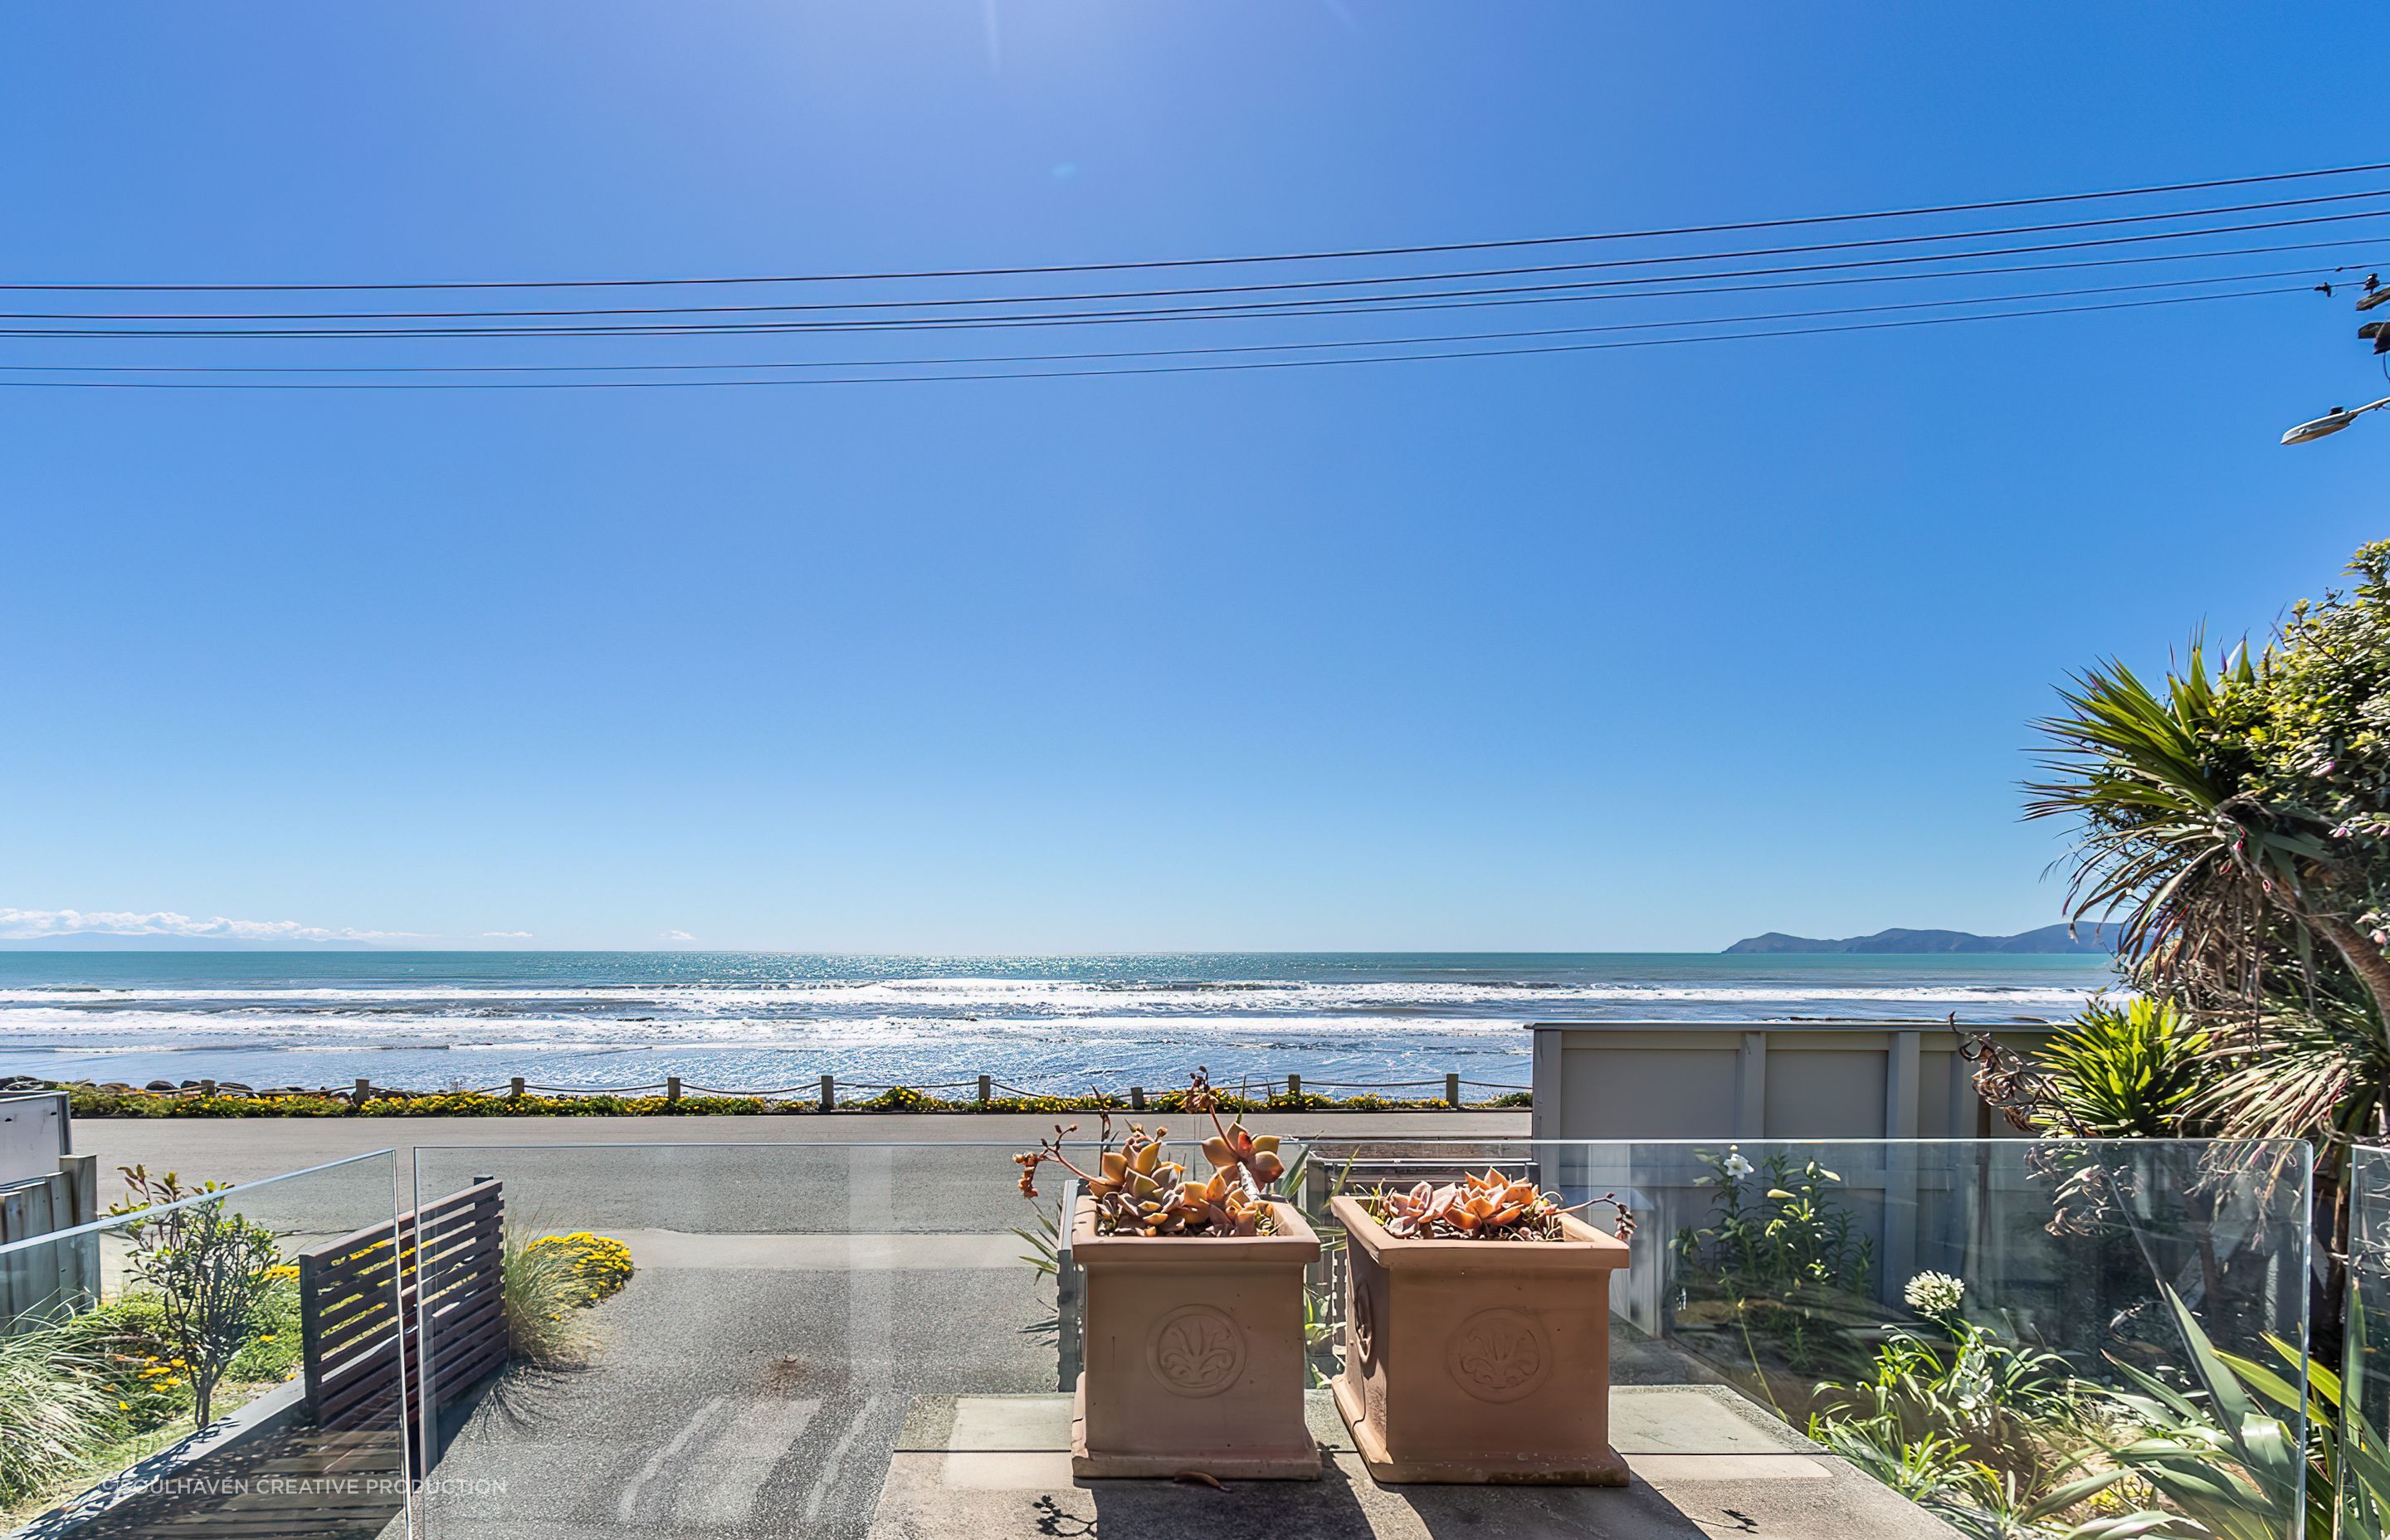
{"x":675,"y":935}
{"x":506,"y":935}
{"x":42,"y":924}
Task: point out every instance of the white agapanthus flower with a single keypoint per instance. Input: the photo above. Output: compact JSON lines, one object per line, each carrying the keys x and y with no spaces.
{"x":1934,"y":1294}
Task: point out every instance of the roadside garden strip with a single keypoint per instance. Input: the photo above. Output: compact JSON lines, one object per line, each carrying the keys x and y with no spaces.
{"x":101,"y":1101}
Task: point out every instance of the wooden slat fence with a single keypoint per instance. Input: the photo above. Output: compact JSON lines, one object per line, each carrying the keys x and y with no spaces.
{"x":368,"y":1300}
{"x":42,"y":1280}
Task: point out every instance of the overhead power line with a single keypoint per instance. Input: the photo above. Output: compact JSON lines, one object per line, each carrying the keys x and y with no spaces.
{"x":1249,"y":309}
{"x":1345,"y":254}
{"x":1662,"y":259}
{"x":2164,"y":250}
{"x":1104,"y":373}
{"x":1158,"y":352}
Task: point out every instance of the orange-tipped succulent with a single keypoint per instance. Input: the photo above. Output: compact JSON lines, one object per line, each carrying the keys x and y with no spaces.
{"x":1492,"y":1207}
{"x":1138,"y":1191}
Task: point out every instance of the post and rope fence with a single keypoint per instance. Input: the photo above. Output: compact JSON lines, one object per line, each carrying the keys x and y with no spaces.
{"x":831,"y":1093}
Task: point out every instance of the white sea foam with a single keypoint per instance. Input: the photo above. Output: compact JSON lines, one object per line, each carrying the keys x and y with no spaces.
{"x":770,"y":1021}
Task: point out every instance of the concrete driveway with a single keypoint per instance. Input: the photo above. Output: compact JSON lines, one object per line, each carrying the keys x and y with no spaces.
{"x":747,"y":1385}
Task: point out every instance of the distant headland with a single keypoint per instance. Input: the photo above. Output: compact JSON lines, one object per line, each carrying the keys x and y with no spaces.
{"x":2049,"y":938}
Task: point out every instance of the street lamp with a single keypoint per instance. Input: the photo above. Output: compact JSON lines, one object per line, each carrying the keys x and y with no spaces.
{"x":2330,"y":422}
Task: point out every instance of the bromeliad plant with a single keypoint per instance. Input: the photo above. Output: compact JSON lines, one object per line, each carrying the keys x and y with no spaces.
{"x":1138,"y":1191}
{"x":1492,"y":1207}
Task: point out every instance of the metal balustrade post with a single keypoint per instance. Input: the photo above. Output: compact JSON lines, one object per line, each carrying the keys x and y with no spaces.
{"x":1070,"y":1302}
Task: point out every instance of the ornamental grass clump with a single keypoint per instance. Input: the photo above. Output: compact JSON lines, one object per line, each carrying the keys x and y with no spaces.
{"x":1137,"y":1190}
{"x":547,"y":1285}
{"x":54,"y":1405}
{"x":1491,"y":1207}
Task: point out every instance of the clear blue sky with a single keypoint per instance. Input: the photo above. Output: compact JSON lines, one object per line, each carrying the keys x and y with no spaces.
{"x":1630,"y":650}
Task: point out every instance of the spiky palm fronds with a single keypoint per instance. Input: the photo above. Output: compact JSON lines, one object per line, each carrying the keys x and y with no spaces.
{"x":2304,"y":1070}
{"x":2153,"y":780}
{"x":2219,"y":876}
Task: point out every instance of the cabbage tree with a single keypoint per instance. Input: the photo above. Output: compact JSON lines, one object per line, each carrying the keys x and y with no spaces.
{"x":2235,"y":821}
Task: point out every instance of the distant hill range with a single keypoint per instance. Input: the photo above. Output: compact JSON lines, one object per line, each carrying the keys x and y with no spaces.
{"x":2086,"y":938}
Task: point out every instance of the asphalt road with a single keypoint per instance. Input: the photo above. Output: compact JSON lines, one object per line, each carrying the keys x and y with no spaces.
{"x":718,"y":1175}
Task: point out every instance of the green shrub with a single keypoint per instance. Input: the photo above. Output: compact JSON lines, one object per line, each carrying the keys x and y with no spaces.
{"x":1777,"y":1226}
{"x":212,"y":1270}
{"x":1780,"y":1257}
{"x":1997,"y":1399}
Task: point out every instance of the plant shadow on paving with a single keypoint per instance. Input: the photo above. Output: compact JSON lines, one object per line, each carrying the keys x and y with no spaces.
{"x":521,"y":1398}
{"x":1328,"y":1509}
{"x":1343,"y":1503}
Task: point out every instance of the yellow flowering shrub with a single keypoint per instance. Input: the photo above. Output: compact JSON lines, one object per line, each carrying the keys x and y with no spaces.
{"x":601,"y":1263}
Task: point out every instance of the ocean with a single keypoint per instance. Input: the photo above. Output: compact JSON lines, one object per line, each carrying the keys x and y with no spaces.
{"x":433,"y":1020}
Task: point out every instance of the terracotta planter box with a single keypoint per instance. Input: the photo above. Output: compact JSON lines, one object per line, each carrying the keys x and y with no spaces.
{"x":1479,"y":1360}
{"x":1194,"y":1353}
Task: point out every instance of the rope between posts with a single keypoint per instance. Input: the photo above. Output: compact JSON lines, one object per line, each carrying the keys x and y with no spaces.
{"x":600,"y":1090}
{"x":1249,"y":1085}
{"x":1376,"y":1084}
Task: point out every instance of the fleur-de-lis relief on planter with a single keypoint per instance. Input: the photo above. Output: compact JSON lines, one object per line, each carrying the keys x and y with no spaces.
{"x":1198,"y":1350}
{"x":1499,"y":1354}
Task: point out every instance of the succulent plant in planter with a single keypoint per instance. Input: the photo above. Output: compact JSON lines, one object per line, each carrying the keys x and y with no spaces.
{"x":1194,"y":1332}
{"x":1477,"y":1333}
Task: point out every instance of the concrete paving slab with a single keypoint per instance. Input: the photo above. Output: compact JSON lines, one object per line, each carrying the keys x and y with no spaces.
{"x":1010,"y":1422}
{"x":1693,"y":1419}
{"x":1705,"y":1465}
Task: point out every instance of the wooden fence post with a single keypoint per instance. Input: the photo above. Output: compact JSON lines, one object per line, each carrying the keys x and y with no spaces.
{"x":1294,"y":1087}
{"x":515,"y":1086}
{"x":829,"y":1094}
{"x":1452,"y":1090}
{"x":311,"y":1333}
{"x":986,"y":1089}
{"x":207,"y":1090}
{"x":672,"y":1090}
{"x":363,"y":1093}
{"x":1137,"y":1098}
